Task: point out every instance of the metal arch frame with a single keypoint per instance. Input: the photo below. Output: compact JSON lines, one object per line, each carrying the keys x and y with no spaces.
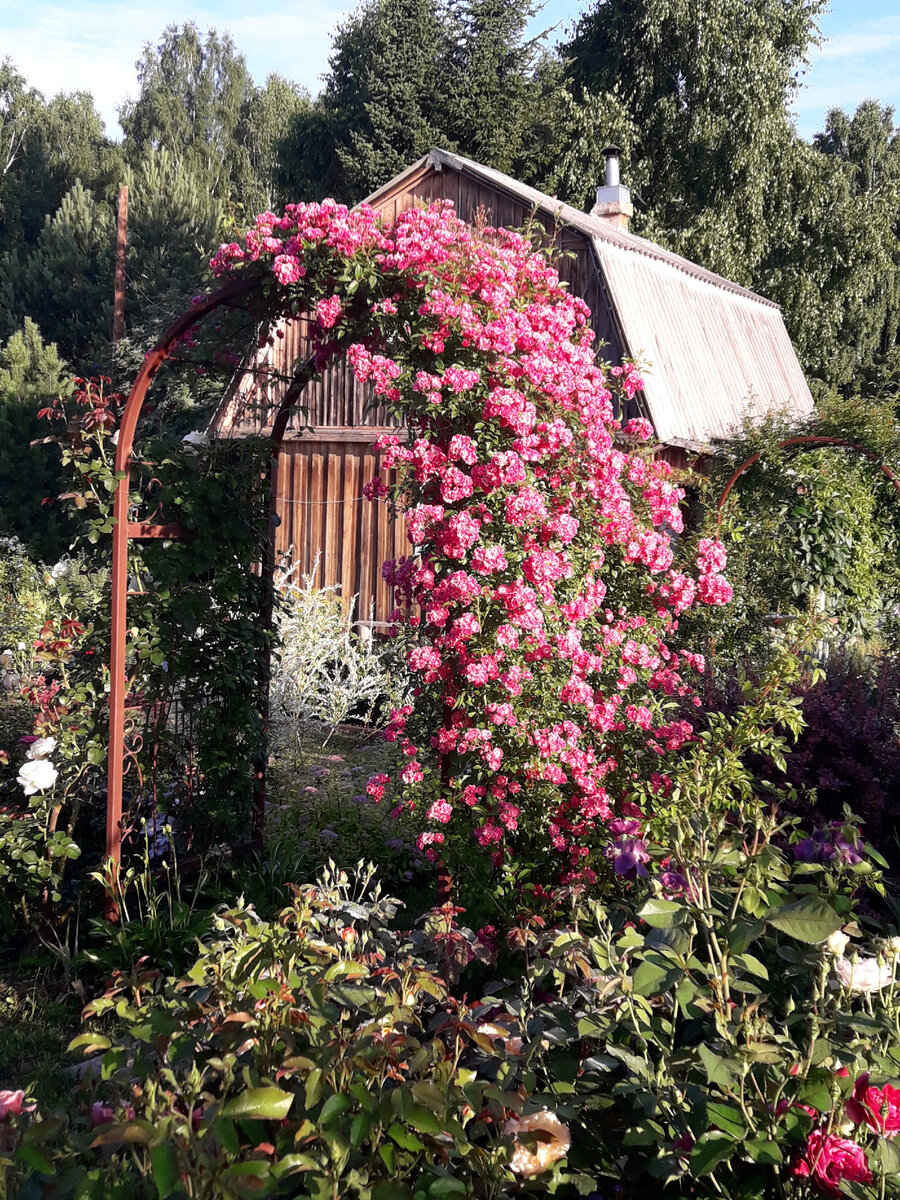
{"x":124,"y":531}
{"x":798,"y":443}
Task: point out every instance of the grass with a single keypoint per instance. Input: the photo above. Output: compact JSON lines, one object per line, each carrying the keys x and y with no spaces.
{"x":38,"y":1020}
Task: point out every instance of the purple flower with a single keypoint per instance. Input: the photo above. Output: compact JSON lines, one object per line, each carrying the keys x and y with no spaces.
{"x":811,"y":849}
{"x":628,"y":856}
{"x":158,"y":844}
{"x":329,"y":835}
{"x":624,"y":827}
{"x":826,"y":845}
{"x":673,"y":883}
{"x":849,"y":852}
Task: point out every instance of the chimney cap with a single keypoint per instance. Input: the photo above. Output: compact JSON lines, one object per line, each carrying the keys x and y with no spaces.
{"x":613,"y":200}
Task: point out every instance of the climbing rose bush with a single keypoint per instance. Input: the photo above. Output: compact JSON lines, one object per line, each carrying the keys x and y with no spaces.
{"x":540,"y":595}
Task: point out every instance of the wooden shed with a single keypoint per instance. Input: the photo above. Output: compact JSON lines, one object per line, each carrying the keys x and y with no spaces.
{"x":712,"y":353}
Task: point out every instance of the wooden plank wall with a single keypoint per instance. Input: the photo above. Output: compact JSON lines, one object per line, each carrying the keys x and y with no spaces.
{"x":321,"y":473}
{"x":324,"y":516}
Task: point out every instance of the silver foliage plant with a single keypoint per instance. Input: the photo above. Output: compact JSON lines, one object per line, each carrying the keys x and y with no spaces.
{"x":328,"y":669}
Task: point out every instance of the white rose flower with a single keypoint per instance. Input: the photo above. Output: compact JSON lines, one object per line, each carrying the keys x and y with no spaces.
{"x":37,"y":776}
{"x":20,"y":646}
{"x":42,"y":748}
{"x":837,"y":943}
{"x":864,"y":975}
{"x":191,"y":441}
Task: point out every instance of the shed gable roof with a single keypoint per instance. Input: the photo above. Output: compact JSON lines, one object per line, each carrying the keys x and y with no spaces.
{"x":713,"y":352}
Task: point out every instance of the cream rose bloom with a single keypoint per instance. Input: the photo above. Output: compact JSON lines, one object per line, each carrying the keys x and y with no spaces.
{"x":864,"y":975}
{"x":42,"y":748}
{"x":837,"y":943}
{"x":551,"y":1137}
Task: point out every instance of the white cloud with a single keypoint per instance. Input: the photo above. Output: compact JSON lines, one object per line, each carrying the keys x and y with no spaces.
{"x":872,"y":38}
{"x":856,"y":64}
{"x":93,"y":47}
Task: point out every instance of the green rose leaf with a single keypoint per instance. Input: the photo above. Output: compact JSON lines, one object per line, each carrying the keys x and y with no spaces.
{"x":652,"y":979}
{"x":260,"y":1104}
{"x":164,"y":1162}
{"x":711,"y":1149}
{"x":761,"y":1150}
{"x":660,"y":914}
{"x":807,"y":920}
{"x":728,"y":1119}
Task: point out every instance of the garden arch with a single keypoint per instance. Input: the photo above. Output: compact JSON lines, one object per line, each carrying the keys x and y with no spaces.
{"x":797,"y":444}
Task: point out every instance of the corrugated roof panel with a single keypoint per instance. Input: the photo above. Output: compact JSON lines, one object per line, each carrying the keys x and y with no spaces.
{"x":715,"y":355}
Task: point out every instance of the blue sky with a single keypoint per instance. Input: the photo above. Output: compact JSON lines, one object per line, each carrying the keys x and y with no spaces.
{"x":93,"y":45}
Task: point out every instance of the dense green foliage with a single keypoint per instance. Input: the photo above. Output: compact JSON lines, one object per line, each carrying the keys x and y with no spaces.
{"x":694,"y":1027}
{"x":196,"y":647}
{"x":808,"y":528}
{"x":32,"y":375}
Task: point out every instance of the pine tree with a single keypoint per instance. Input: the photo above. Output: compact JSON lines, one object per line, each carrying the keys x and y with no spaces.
{"x":488,"y":79}
{"x":65,"y":282}
{"x":407,"y":75}
{"x":382,"y":94}
{"x":173,"y":226}
{"x":32,"y":374}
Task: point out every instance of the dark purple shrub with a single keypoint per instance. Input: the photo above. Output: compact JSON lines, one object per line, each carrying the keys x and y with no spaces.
{"x":849,"y":751}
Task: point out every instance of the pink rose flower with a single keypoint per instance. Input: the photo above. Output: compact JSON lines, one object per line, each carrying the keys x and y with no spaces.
{"x":12,"y":1104}
{"x":879,"y":1108}
{"x":288,"y":269}
{"x":828,"y":1159}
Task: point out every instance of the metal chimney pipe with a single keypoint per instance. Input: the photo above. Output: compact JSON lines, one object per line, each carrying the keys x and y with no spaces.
{"x":613,"y":200}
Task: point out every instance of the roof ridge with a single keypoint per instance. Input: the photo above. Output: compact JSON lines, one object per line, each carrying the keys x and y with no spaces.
{"x":596,"y":228}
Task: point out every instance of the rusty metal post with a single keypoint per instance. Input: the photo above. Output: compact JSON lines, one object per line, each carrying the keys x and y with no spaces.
{"x":121,"y":244}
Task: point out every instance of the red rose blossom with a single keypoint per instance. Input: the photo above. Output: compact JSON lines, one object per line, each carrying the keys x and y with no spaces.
{"x":879,"y":1108}
{"x":829,"y":1159}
